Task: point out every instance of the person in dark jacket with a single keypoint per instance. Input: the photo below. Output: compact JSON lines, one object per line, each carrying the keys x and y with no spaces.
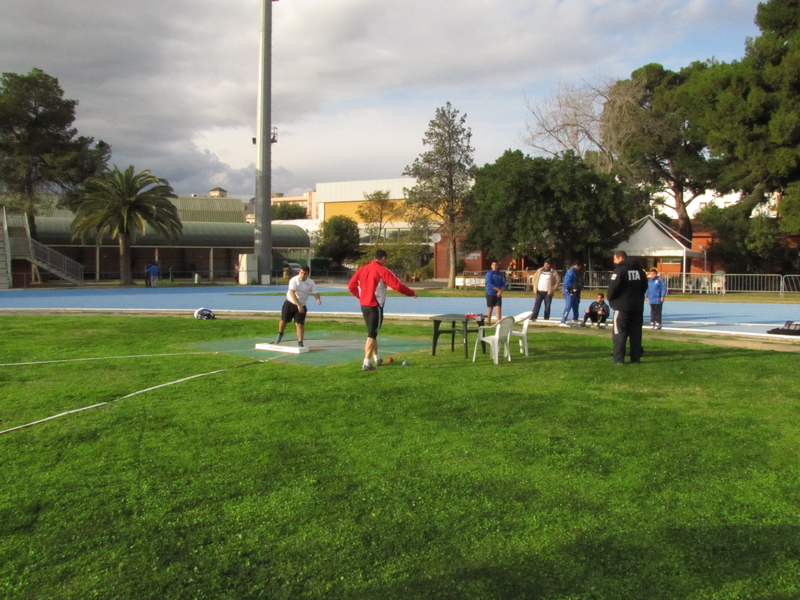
{"x":598,"y":312}
{"x":626,"y":296}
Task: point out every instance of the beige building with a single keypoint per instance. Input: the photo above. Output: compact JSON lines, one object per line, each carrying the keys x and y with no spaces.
{"x":307,"y":201}
{"x":346,"y":197}
{"x":338,"y":198}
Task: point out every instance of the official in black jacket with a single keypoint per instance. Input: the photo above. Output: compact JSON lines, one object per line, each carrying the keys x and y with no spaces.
{"x":626,"y":296}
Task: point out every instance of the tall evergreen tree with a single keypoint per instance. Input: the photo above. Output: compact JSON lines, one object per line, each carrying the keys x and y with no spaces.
{"x":750,"y":110}
{"x":40,"y":151}
{"x":444,"y":177}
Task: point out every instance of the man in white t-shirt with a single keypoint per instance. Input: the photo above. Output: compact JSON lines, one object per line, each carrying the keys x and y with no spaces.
{"x":301,"y":286}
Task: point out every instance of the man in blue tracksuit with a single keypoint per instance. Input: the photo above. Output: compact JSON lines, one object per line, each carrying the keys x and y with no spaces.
{"x":495,"y":284}
{"x":572,"y":293}
{"x":656,"y":293}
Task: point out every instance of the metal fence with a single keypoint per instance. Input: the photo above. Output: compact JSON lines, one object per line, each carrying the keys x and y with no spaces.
{"x":688,"y":283}
{"x":791,"y":284}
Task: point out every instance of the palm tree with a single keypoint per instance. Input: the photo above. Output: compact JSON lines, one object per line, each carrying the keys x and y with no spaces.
{"x":121,"y":204}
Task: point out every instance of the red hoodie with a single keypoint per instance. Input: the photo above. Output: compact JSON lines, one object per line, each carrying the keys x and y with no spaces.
{"x":368,"y":284}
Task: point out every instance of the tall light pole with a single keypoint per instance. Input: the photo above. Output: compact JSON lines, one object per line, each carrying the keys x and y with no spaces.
{"x":263,"y":237}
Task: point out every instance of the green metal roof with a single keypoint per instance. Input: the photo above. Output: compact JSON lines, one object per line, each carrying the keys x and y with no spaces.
{"x":205,"y":209}
{"x":56,"y":232}
{"x":195,"y":209}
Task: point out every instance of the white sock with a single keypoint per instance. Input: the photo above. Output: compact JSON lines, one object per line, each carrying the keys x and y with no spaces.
{"x":375,"y":358}
{"x":366,"y":362}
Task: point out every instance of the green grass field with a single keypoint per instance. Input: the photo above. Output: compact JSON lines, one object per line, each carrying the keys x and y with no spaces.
{"x":558,"y":476}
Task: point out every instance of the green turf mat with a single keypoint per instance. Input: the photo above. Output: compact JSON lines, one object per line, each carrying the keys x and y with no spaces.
{"x":326,"y":347}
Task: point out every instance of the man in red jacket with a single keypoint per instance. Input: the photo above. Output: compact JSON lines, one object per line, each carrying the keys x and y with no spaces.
{"x":368,"y":284}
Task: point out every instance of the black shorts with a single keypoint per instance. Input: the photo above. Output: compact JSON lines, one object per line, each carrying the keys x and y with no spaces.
{"x":492,"y":301}
{"x":291,"y":312}
{"x":373,"y":317}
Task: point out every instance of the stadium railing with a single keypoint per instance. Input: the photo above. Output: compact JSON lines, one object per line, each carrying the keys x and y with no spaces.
{"x":689,"y":283}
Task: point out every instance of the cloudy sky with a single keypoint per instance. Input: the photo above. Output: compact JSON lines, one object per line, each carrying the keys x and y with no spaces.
{"x":172,"y":84}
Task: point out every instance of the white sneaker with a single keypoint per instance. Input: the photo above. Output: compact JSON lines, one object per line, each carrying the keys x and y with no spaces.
{"x":563,"y":325}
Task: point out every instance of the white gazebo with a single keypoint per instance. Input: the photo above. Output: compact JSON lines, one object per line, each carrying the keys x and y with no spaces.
{"x":653,"y":238}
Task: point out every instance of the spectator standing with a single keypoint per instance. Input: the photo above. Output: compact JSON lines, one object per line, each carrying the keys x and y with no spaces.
{"x":598,"y":312}
{"x":301,"y":286}
{"x":369,"y":284}
{"x":495,"y":284}
{"x":573,"y":284}
{"x":147,"y":275}
{"x":544,"y":282}
{"x":656,"y":294}
{"x":626,"y":296}
{"x":153,"y":272}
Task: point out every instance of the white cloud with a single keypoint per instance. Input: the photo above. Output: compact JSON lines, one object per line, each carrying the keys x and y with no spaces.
{"x":172,"y":86}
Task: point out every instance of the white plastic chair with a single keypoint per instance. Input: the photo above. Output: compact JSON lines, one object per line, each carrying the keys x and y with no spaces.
{"x":705,"y":285}
{"x":501,"y":335}
{"x":718,"y":282}
{"x":525,"y":319}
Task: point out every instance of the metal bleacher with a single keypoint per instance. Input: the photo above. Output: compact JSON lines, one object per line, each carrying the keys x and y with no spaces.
{"x":16,"y":243}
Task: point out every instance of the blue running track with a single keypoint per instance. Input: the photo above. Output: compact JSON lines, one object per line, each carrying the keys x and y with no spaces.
{"x":702,"y":317}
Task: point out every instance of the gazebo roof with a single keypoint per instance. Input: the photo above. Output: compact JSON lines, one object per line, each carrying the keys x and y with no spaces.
{"x":653,"y":238}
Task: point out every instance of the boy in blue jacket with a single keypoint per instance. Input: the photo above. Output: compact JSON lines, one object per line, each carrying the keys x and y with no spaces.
{"x":495,"y":285}
{"x":571,"y":287}
{"x":656,"y":293}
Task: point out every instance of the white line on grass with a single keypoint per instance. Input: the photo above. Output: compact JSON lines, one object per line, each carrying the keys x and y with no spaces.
{"x":69,"y":412}
{"x":47,"y":362}
{"x":766,"y":336}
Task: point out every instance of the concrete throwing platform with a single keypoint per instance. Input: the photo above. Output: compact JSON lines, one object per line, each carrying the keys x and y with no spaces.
{"x":279,"y":348}
{"x":321,"y":348}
